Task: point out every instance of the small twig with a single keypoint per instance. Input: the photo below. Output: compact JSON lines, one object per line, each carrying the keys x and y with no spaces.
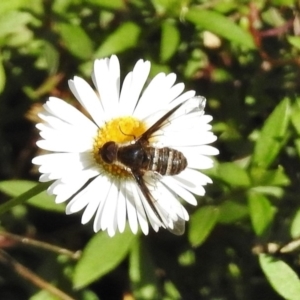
{"x":43,"y":245}
{"x":32,"y":277}
{"x":275,"y":248}
{"x":277,"y":30}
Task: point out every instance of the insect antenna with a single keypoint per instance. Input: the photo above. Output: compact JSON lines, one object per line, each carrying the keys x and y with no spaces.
{"x":134,"y":137}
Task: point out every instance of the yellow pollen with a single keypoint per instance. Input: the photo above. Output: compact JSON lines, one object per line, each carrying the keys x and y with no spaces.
{"x":120,"y":130}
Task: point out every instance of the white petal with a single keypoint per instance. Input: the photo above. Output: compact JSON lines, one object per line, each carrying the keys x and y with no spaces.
{"x":53,"y":123}
{"x":131,"y":210}
{"x":199,"y":162}
{"x":109,"y":210}
{"x":88,"y":99}
{"x":192,"y":180}
{"x":83,"y":197}
{"x":90,"y":172}
{"x":132,"y":87}
{"x":95,"y":199}
{"x":52,"y":186}
{"x":192,"y":122}
{"x":45,"y":178}
{"x":168,"y":205}
{"x":199,"y":150}
{"x":188,"y":105}
{"x":64,"y":191}
{"x":106,"y":77}
{"x":121,"y":207}
{"x":112,"y":225}
{"x":152,"y":218}
{"x":151,"y":99}
{"x":69,"y":141}
{"x":68,"y":113}
{"x":105,"y":187}
{"x":182,"y":98}
{"x":60,"y":129}
{"x":62,"y":145}
{"x":142,"y":219}
{"x":78,"y":202}
{"x":179,"y":190}
{"x":181,"y":140}
{"x":52,"y":161}
{"x":208,"y":150}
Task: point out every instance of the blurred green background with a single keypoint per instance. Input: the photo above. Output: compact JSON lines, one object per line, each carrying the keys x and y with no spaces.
{"x":242,"y":241}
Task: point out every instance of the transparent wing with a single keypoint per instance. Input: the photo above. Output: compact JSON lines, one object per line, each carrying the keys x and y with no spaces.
{"x":178,"y":227}
{"x":166,"y":207}
{"x":193,"y":105}
{"x":170,"y":220}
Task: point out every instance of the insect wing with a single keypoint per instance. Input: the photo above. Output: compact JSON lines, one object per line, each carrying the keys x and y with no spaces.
{"x":178,"y":226}
{"x":194,"y":104}
{"x":145,"y":191}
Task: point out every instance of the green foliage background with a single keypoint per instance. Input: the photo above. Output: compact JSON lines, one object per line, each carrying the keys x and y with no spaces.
{"x":242,"y":241}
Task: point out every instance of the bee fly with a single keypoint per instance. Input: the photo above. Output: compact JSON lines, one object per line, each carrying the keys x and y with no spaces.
{"x":140,"y":157}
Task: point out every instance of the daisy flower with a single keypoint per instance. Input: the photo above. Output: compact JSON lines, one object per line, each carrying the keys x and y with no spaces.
{"x":92,"y":176}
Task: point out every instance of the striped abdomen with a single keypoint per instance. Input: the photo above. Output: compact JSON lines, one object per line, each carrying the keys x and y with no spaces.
{"x":139,"y":158}
{"x":165,"y":161}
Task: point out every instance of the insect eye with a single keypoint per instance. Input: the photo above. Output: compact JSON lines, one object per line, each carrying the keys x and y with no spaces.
{"x":108,"y":152}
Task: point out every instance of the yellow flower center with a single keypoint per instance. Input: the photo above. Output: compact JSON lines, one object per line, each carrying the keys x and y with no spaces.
{"x":119,"y":130}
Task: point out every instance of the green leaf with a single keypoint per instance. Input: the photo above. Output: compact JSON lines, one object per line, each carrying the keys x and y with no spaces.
{"x":202,"y":223}
{"x":2,"y":76}
{"x":31,"y":192}
{"x":169,"y":41}
{"x":7,"y":6}
{"x":171,"y":291}
{"x":220,"y":25}
{"x":11,"y":22}
{"x":297,"y":145}
{"x":272,"y":136}
{"x":283,"y":279}
{"x":22,"y":37}
{"x":101,"y":255}
{"x":51,"y":57}
{"x":261,"y":212}
{"x":283,"y":2}
{"x":273,"y":191}
{"x":46,"y":295}
{"x":231,"y":212}
{"x":142,"y":272}
{"x":295,"y":226}
{"x":124,"y":38}
{"x":109,"y":4}
{"x":169,"y":7}
{"x":43,"y":295}
{"x":295,"y":118}
{"x":187,"y":258}
{"x":294,"y":40}
{"x":263,"y":177}
{"x":76,"y":40}
{"x":233,"y":174}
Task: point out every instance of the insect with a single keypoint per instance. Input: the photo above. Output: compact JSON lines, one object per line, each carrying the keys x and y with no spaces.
{"x":140,"y":157}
